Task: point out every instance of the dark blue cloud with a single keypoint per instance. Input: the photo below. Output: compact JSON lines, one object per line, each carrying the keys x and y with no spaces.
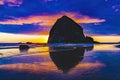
{"x":23,"y":29}
{"x":102,"y":29}
{"x":95,"y":8}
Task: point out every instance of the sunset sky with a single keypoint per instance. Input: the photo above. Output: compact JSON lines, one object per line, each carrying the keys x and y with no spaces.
{"x":31,"y":20}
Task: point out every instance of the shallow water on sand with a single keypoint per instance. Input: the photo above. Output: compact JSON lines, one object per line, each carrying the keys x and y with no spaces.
{"x":61,"y":62}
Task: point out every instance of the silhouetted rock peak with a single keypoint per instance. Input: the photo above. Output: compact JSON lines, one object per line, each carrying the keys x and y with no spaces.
{"x":65,"y":17}
{"x":66,"y":30}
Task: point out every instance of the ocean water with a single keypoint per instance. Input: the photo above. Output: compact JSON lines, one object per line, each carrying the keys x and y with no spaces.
{"x":60,"y":62}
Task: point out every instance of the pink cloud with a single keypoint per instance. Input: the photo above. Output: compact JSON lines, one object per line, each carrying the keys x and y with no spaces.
{"x":49,"y":20}
{"x":1,"y":2}
{"x":49,"y":0}
{"x":11,"y":2}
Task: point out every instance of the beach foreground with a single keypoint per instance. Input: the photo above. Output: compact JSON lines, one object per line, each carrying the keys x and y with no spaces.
{"x":54,"y":62}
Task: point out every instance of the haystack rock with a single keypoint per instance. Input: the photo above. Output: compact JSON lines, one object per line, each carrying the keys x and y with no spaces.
{"x":118,"y":46}
{"x":65,"y":30}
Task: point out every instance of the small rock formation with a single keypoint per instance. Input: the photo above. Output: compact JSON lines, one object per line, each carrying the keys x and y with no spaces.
{"x":23,"y":48}
{"x":89,"y":39}
{"x":65,"y":30}
{"x":118,"y":46}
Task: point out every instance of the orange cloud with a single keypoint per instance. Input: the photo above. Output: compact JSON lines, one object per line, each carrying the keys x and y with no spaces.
{"x":87,"y":67}
{"x":32,"y":67}
{"x":49,"y":20}
{"x":11,"y":2}
{"x":49,"y":67}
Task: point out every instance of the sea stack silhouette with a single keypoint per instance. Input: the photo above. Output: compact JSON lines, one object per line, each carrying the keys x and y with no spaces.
{"x":24,"y":48}
{"x":65,"y":30}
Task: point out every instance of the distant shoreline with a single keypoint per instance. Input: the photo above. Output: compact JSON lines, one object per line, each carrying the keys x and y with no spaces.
{"x":107,"y":43}
{"x":46,"y":44}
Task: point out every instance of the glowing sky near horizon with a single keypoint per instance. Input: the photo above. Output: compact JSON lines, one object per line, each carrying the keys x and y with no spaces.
{"x":33,"y":19}
{"x":7,"y":37}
